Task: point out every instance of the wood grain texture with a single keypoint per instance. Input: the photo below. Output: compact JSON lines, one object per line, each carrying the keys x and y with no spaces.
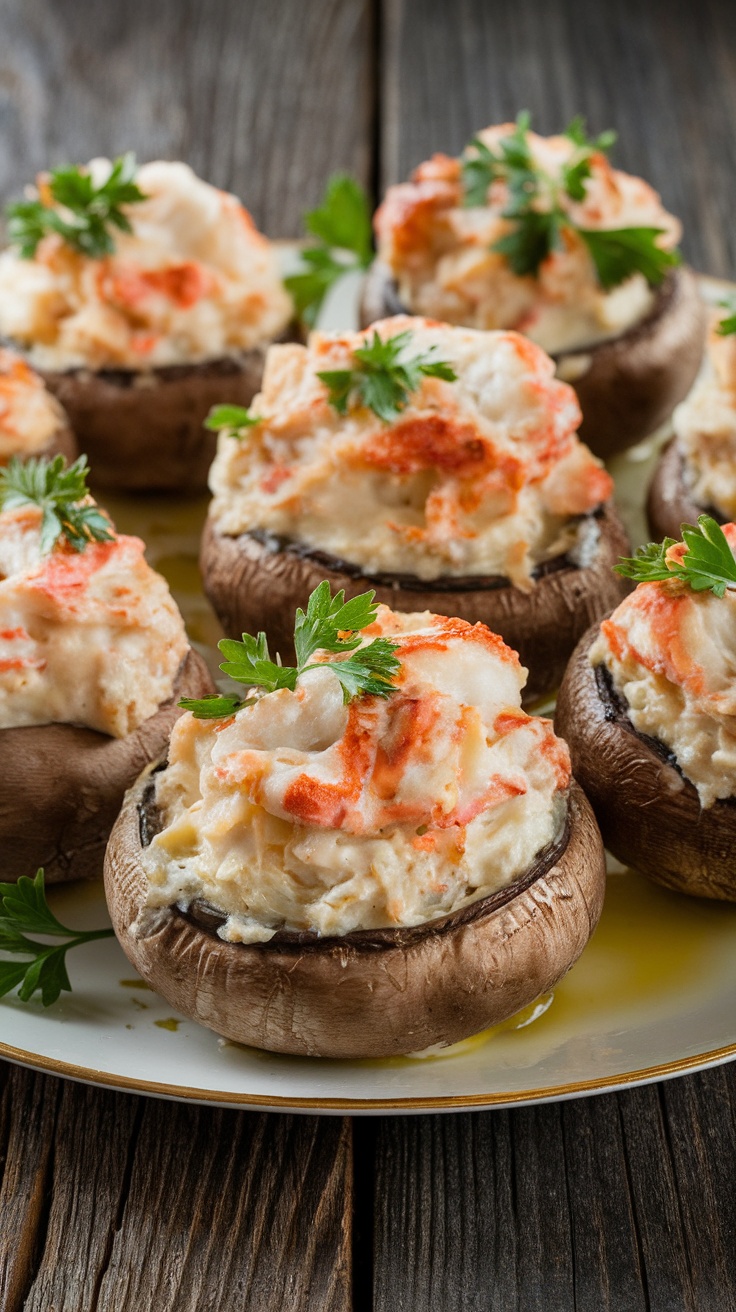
{"x":110,"y":1203}
{"x":622,"y":1203}
{"x":662,"y":73}
{"x":246,"y":93}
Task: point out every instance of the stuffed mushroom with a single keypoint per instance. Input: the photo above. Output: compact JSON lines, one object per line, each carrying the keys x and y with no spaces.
{"x":32,"y":423}
{"x":375,"y":851}
{"x":440,"y":465}
{"x":697,"y":471}
{"x":93,"y":660}
{"x":648,"y":708}
{"x":542,"y":235}
{"x":141,"y":296}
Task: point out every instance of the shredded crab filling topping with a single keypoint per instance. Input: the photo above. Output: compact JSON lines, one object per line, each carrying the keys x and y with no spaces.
{"x":29,"y":415}
{"x":705,"y":426}
{"x":91,"y":638}
{"x":671,"y":654}
{"x":303,"y":813}
{"x":194,"y":280}
{"x":482,"y":475}
{"x":440,"y":250}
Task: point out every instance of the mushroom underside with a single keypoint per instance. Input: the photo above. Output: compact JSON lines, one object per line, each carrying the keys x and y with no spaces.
{"x":256,"y":581}
{"x":627,"y":386}
{"x":649,"y":815}
{"x":380,"y":995}
{"x":63,"y":785}
{"x":670,"y":502}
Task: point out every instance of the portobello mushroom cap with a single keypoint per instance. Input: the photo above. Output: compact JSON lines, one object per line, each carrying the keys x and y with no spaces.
{"x":257,"y":580}
{"x":63,"y":785}
{"x":670,"y":502}
{"x":143,"y":429}
{"x":61,"y":443}
{"x":649,"y":815}
{"x":627,"y":386}
{"x":377,"y":993}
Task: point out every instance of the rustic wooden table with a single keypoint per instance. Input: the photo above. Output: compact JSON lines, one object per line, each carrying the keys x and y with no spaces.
{"x":623,"y":1202}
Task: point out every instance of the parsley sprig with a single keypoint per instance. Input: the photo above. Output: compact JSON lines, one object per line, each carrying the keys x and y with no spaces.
{"x":83,"y":212}
{"x":234,"y":420}
{"x":727,"y":326}
{"x":384,"y":375}
{"x":329,"y":624}
{"x":707,"y":564}
{"x":23,"y":911}
{"x":537,"y":202}
{"x":342,"y":226}
{"x":60,"y":490}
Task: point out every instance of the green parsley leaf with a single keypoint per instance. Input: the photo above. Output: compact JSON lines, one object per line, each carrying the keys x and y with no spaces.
{"x":537,"y":203}
{"x":384,"y":376}
{"x":727,"y":326}
{"x":620,"y":252}
{"x":249,"y":661}
{"x":343,"y":220}
{"x":24,"y":910}
{"x":329,"y":624}
{"x":342,"y":223}
{"x":478,"y":172}
{"x":370,"y":672}
{"x":309,"y":288}
{"x":530,"y":242}
{"x":577,"y":170}
{"x":513,"y":163}
{"x":61,"y":492}
{"x":235,"y":420}
{"x":576,"y":130}
{"x":83,"y":212}
{"x":707,"y":564}
{"x":214,"y":706}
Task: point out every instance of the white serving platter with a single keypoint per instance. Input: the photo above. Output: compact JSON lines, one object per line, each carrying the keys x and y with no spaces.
{"x":652,"y":996}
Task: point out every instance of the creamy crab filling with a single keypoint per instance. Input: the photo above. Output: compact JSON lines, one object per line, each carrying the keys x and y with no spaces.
{"x":671,"y":654}
{"x":193,"y":280}
{"x":29,"y":415}
{"x":440,"y":250}
{"x":705,"y":427}
{"x":481,"y":475}
{"x":305,"y":814}
{"x":91,"y":638}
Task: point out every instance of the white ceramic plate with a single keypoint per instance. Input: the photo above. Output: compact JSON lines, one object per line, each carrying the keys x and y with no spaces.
{"x":651,"y":997}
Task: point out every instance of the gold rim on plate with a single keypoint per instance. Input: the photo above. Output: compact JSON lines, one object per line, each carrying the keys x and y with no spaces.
{"x":124,"y":1083}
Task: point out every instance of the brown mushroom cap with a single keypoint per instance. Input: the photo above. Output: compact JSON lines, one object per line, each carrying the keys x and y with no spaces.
{"x":670,"y":502}
{"x":256,"y":581}
{"x":63,"y":785}
{"x":143,"y":430}
{"x":376,"y":994}
{"x":61,"y":443}
{"x":650,"y":816}
{"x":626,"y":387}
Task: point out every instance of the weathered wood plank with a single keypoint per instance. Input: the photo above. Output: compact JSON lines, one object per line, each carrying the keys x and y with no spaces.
{"x":109,"y":1202}
{"x":612,"y":1203}
{"x":94,"y":1138}
{"x":229,"y":1211}
{"x":662,"y":74}
{"x":28,"y":1107}
{"x":263,"y":99}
